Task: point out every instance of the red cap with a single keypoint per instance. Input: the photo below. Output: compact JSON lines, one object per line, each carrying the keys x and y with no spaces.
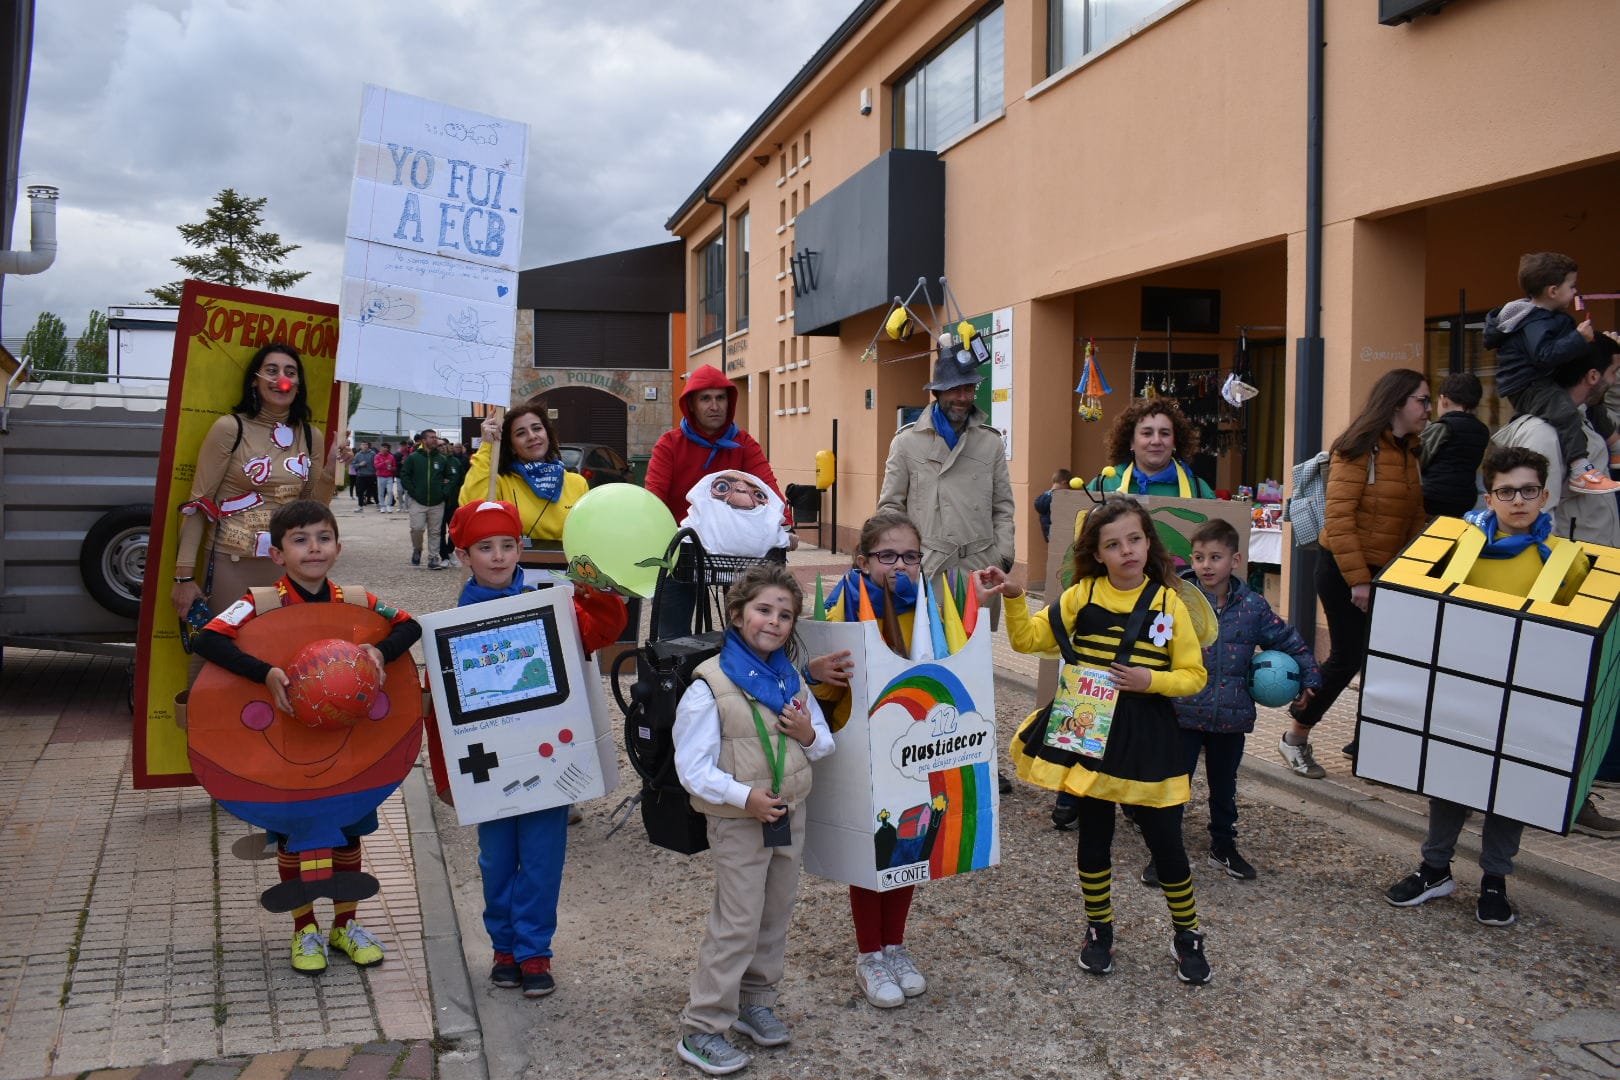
{"x":477,"y":521}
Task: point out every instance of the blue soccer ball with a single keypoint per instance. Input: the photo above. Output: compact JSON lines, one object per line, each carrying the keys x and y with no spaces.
{"x":1274,"y":678}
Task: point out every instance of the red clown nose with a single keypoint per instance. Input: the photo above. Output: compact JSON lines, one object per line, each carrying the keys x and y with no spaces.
{"x":283,"y":384}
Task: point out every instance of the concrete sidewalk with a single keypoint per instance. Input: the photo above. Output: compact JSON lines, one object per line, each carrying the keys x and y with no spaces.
{"x":135,"y":937}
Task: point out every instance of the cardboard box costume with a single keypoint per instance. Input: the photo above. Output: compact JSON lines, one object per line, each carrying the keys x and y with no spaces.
{"x":520,"y":713}
{"x":1498,"y":702}
{"x":910,"y":795}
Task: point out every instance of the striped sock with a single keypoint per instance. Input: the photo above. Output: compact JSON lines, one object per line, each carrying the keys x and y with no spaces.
{"x":1183,"y":907}
{"x":287,"y":870}
{"x":345,"y":860}
{"x":1096,"y":889}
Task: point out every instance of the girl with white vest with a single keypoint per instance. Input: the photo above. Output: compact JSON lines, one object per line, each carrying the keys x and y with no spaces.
{"x":746,"y":731}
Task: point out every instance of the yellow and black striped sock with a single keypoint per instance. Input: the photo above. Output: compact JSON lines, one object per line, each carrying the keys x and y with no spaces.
{"x":1096,"y":889}
{"x":1183,"y":906}
{"x":345,"y":860}
{"x":287,"y":870}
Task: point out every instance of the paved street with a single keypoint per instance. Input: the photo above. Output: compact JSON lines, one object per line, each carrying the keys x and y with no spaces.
{"x":137,"y":947}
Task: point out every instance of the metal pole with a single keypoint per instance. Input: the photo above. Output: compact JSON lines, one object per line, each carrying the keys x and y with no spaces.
{"x":1308,"y":350}
{"x":833,"y":490}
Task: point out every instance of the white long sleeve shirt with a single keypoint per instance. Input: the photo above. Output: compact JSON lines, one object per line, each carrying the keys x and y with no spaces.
{"x":697,"y":746}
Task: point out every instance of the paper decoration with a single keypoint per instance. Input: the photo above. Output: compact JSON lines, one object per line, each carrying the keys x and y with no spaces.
{"x":1092,"y":385}
{"x":434,"y":232}
{"x":1497,"y":702}
{"x":910,"y":795}
{"x":520,"y":713}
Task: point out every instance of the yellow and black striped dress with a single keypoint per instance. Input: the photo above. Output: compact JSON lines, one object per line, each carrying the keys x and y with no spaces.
{"x":1144,"y":763}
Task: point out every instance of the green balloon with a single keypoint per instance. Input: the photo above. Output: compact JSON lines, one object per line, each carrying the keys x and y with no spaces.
{"x":615,"y":538}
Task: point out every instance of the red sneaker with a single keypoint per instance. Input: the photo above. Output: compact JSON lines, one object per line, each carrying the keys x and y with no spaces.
{"x":537,"y":980}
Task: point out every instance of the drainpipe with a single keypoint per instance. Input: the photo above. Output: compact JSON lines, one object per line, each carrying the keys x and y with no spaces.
{"x":1308,"y":350}
{"x":42,"y":242}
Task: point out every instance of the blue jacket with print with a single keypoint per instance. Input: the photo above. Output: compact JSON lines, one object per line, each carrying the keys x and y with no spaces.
{"x":1247,"y":624}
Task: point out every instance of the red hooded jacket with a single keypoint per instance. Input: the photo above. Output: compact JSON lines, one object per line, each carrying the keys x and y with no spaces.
{"x":677,"y":462}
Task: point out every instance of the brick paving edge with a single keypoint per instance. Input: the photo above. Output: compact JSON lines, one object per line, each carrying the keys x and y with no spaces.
{"x":455,"y":1014}
{"x":1589,"y":890}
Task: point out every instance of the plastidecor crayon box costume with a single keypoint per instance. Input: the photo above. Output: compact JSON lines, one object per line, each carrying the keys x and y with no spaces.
{"x":1497,"y":702}
{"x":521,"y":715}
{"x":910,"y":794}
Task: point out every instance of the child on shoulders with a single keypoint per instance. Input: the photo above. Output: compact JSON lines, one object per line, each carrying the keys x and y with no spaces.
{"x":1532,"y":338}
{"x":520,"y":858}
{"x":745,"y":735}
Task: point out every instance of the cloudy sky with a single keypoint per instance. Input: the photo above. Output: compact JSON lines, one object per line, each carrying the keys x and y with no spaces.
{"x":141,"y":120}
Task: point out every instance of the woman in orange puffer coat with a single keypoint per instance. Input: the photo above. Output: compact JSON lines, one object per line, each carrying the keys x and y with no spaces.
{"x":1374,"y":509}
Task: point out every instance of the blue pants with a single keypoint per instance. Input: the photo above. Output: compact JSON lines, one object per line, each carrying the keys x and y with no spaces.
{"x":521,"y":860}
{"x":1222,"y":752}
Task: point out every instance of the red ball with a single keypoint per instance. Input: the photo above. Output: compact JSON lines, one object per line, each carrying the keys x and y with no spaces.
{"x":332,"y":684}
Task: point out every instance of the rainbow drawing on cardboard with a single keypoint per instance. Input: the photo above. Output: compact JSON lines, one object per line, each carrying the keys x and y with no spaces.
{"x":946,"y":744}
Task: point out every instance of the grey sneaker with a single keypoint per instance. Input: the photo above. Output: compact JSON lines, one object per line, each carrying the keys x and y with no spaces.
{"x":877,"y":981}
{"x":1593,"y":822}
{"x":1301,"y":760}
{"x":899,"y":963}
{"x":760,"y":1023}
{"x":712,"y":1053}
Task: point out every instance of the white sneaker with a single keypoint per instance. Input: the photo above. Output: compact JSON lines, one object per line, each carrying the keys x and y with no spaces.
{"x":455,"y":560}
{"x":904,"y":971}
{"x":877,"y":981}
{"x":1301,"y":759}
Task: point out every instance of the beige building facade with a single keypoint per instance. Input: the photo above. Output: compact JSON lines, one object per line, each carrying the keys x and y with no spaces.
{"x":1109,"y":164}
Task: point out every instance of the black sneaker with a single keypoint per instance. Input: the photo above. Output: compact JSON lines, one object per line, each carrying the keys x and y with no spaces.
{"x":416,"y":558}
{"x":1097,"y":955}
{"x":1424,"y":883}
{"x":1003,"y":784}
{"x":1065,"y":816}
{"x":1228,"y":859}
{"x":537,"y":980}
{"x":1188,"y":949}
{"x":505,"y":972}
{"x":1351,"y":749}
{"x":1150,"y":874}
{"x":1493,"y":908}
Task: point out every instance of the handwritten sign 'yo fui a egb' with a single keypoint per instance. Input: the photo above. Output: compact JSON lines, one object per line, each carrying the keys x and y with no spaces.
{"x":435,"y":227}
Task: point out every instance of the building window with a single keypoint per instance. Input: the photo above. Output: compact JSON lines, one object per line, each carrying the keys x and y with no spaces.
{"x":957,"y":86}
{"x":740,"y":242}
{"x":711,"y":291}
{"x":1081,"y":27}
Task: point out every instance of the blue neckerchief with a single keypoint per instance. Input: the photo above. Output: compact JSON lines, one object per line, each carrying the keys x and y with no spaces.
{"x":1505,"y":547}
{"x":474,"y":593}
{"x":942,"y":424}
{"x":904,"y":589}
{"x":545,"y":478}
{"x":726,"y":441}
{"x":1166,"y":475}
{"x":772,"y":682}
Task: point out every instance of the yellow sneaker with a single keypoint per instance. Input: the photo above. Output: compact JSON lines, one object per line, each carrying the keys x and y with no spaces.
{"x":309,"y":951}
{"x":356,"y":943}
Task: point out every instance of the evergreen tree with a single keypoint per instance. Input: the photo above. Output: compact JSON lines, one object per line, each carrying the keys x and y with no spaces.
{"x":47,"y":343}
{"x":90,"y":351}
{"x":235,"y":250}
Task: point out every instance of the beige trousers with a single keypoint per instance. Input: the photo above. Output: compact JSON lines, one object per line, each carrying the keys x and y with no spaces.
{"x":740,"y":960}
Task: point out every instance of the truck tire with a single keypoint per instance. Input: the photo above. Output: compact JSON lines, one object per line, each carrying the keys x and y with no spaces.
{"x":112,"y":559}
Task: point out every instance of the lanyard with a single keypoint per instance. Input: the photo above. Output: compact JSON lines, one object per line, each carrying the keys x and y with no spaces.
{"x":776,"y":761}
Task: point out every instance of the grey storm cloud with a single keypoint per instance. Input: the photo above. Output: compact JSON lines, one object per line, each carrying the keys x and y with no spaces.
{"x":629,"y":104}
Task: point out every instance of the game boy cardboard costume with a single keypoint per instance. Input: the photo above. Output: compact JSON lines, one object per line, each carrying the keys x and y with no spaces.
{"x":520,"y":712}
{"x":910,"y":794}
{"x":1498,"y":702}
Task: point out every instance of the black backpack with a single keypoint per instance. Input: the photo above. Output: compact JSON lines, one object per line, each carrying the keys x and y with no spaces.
{"x":663,"y":672}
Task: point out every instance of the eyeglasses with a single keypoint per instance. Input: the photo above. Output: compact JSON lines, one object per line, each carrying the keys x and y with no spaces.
{"x":1425,"y":398}
{"x":889,"y":558}
{"x":1529,"y":493}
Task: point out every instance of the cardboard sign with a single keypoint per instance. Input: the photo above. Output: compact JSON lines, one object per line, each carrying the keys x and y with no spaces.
{"x":910,"y":794}
{"x":219,"y":330}
{"x":1177,"y":519}
{"x":521,"y":715}
{"x":1501,"y":703}
{"x":430,"y":261}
